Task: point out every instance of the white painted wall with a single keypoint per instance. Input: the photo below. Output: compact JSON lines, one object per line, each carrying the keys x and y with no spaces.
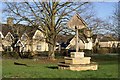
{"x":108,"y":44}
{"x":89,"y":45}
{"x":37,"y":41}
{"x":44,"y":46}
{"x":1,"y":35}
{"x":73,"y":43}
{"x":1,"y":49}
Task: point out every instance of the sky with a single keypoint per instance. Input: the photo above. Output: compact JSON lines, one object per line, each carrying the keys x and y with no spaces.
{"x":0,"y":11}
{"x":102,"y":9}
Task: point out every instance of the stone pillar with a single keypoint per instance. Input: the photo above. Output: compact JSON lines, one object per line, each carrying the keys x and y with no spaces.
{"x":77,"y":48}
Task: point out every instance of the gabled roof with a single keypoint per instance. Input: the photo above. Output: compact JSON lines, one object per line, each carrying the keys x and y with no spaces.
{"x":19,"y":43}
{"x":38,"y":35}
{"x":81,"y":37}
{"x":4,"y":28}
{"x":63,"y":38}
{"x":12,"y":37}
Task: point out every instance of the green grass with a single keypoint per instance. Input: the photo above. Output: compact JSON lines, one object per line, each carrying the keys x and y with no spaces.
{"x":107,"y":68}
{"x":0,"y":68}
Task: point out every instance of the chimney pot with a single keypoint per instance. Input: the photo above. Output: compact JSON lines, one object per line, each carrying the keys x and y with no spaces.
{"x":10,"y":21}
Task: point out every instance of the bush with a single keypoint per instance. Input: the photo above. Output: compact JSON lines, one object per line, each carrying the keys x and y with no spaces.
{"x":88,"y":51}
{"x":104,"y":50}
{"x":63,"y":52}
{"x":10,"y":55}
{"x":118,"y":50}
{"x":26,"y":55}
{"x":40,"y":54}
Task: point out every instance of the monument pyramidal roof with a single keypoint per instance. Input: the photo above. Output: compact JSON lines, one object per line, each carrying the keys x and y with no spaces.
{"x":76,"y":21}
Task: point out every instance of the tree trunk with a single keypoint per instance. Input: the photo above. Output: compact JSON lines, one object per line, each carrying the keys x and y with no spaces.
{"x":51,"y":54}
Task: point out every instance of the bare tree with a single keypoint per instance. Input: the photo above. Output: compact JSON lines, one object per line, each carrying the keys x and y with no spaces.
{"x":116,"y":20}
{"x":112,"y":24}
{"x":49,"y":17}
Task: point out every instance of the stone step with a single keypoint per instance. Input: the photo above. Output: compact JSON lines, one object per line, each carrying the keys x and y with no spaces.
{"x":78,"y":67}
{"x":84,"y":60}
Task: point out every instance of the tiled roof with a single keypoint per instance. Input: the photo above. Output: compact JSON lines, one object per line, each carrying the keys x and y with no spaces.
{"x":64,"y":38}
{"x":4,"y":28}
{"x":108,"y":38}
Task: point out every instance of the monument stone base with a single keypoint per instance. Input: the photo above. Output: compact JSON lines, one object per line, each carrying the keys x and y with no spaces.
{"x":77,"y":62}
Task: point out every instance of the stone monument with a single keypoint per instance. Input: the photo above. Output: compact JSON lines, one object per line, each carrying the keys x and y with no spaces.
{"x":77,"y":61}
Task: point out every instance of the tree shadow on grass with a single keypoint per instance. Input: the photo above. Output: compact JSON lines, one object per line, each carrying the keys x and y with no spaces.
{"x":52,"y":67}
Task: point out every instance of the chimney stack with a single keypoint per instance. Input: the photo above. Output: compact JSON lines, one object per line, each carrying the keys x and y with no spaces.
{"x":10,"y":21}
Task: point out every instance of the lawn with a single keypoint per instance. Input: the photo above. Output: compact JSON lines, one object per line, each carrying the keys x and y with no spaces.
{"x":108,"y":68}
{"x":0,"y":68}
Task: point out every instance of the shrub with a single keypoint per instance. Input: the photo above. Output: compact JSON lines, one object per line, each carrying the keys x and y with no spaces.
{"x":104,"y":50}
{"x":88,"y":51}
{"x":63,"y":52}
{"x":26,"y":55}
{"x":10,"y":55}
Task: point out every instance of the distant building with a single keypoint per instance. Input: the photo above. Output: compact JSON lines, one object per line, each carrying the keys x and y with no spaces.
{"x":108,"y":44}
{"x":108,"y":41}
{"x":85,"y":43}
{"x":27,"y":38}
{"x":22,"y":38}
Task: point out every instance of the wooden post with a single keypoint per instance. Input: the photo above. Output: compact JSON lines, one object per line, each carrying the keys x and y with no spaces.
{"x":77,"y":40}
